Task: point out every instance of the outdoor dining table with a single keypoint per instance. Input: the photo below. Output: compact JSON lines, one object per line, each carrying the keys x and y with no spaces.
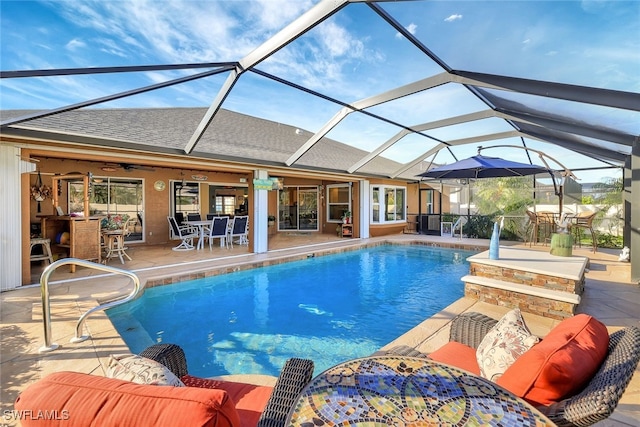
{"x":401,"y":390}
{"x":202,"y":230}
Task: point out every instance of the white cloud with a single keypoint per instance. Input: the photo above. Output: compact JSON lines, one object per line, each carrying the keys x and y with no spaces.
{"x":338,"y":41}
{"x":275,"y":14}
{"x":75,"y":44}
{"x":452,"y":18}
{"x":411,"y":28}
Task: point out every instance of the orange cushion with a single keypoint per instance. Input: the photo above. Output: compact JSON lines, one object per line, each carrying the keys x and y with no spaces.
{"x":459,"y":355}
{"x":92,"y":400}
{"x":250,"y":400}
{"x":561,"y":364}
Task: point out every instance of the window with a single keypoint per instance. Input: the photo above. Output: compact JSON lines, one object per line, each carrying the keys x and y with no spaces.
{"x":375,"y":205}
{"x":226,"y":205}
{"x":112,"y":196}
{"x":389,"y":209}
{"x":428,"y":199}
{"x":186,"y":197}
{"x":338,"y":201}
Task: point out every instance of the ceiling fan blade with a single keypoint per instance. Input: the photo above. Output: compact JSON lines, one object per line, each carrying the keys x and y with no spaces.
{"x":129,"y":166}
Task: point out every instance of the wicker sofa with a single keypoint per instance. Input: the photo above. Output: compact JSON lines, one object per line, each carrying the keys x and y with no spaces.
{"x":594,"y":402}
{"x":78,"y":399}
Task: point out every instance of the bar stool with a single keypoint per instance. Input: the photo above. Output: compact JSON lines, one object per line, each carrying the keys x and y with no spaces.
{"x":46,"y":250}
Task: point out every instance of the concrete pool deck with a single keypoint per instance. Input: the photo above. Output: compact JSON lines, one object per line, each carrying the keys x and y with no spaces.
{"x":609,"y":296}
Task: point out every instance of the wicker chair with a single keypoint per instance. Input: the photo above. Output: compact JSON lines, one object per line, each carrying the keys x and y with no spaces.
{"x":532,"y":228}
{"x":584,"y":221}
{"x":600,"y":396}
{"x":295,"y":375}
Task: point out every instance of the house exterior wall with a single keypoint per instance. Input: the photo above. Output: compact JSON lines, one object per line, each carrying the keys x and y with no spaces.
{"x":61,"y":159}
{"x":11,"y":247}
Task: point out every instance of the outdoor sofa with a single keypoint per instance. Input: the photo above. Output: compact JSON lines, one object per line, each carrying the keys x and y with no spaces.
{"x":78,"y":399}
{"x":575,"y":375}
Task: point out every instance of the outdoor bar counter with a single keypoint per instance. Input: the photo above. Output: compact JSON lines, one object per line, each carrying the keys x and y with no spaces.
{"x":535,"y":281}
{"x":83,"y":240}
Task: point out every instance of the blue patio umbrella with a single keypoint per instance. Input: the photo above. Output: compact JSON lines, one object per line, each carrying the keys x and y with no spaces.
{"x":483,"y":167}
{"x":480,"y":166}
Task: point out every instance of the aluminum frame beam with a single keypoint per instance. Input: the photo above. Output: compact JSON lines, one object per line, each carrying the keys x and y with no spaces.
{"x":291,"y":32}
{"x":111,"y":97}
{"x":583,"y":94}
{"x":108,"y":70}
{"x":399,"y":92}
{"x":484,"y":114}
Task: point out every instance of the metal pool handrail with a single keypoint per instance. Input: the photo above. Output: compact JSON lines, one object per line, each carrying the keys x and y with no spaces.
{"x":46,"y":306}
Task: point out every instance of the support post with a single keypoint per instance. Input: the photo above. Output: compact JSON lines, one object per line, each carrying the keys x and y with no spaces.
{"x":634,"y":192}
{"x":260,"y":215}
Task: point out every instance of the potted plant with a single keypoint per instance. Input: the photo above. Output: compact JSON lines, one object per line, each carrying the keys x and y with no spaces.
{"x":271,"y":220}
{"x":346,"y":217}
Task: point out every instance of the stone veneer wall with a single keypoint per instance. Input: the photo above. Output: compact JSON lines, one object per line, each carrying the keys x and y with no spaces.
{"x":527,"y":303}
{"x":528,"y":278}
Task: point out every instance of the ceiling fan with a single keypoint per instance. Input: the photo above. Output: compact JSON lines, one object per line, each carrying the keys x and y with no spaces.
{"x":112,"y":167}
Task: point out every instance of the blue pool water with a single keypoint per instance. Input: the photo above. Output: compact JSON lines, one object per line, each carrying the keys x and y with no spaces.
{"x":328,"y":308}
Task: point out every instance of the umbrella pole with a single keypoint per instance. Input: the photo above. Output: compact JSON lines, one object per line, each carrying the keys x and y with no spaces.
{"x":468,"y":203}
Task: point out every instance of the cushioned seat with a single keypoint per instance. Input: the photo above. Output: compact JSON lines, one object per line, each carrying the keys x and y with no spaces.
{"x":250,"y":399}
{"x":155,"y":389}
{"x":458,"y":355}
{"x":83,"y":400}
{"x":563,"y":375}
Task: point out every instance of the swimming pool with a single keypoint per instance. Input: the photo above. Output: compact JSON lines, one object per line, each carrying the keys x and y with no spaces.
{"x":329,"y":308}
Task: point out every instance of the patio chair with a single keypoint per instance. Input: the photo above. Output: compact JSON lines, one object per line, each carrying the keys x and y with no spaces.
{"x":532,"y":228}
{"x":194,"y":217}
{"x":239,"y":230}
{"x":115,"y":242}
{"x":584,"y":221}
{"x":294,"y":376}
{"x":546,"y":225}
{"x":218,"y":230}
{"x":595,"y":402}
{"x":179,"y":218}
{"x":186,"y":235}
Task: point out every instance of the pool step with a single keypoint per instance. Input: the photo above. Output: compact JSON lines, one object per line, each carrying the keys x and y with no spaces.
{"x":134,"y":331}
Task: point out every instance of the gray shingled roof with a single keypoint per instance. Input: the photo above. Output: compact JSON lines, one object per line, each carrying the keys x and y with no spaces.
{"x":231,"y":136}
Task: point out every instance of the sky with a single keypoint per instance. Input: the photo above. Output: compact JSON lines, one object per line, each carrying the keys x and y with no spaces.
{"x":351,"y":56}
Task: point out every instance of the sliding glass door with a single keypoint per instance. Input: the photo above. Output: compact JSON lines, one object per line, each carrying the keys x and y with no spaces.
{"x":298,"y":208}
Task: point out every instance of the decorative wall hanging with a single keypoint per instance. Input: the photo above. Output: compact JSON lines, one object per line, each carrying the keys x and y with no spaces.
{"x":39,"y":191}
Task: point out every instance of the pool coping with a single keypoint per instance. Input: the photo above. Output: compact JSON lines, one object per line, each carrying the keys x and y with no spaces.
{"x":311,"y":253}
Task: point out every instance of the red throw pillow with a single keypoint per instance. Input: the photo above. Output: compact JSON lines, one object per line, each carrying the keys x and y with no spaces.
{"x":561,"y":364}
{"x":82,"y":400}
